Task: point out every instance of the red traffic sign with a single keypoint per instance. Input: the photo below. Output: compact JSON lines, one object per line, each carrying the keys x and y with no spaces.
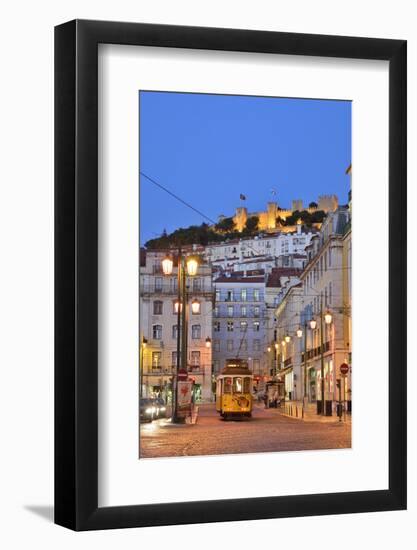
{"x":344,"y":369}
{"x":182,"y":374}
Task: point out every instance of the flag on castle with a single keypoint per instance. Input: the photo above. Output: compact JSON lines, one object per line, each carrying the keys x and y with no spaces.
{"x":242,"y":197}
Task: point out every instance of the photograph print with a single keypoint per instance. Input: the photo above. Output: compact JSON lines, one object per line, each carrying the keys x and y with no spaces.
{"x":245,"y":313}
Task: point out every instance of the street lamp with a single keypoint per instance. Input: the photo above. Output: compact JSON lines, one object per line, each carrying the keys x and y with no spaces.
{"x":167,"y":265}
{"x":208,"y":342}
{"x":195,"y":306}
{"x":299,"y":332}
{"x":313,"y":324}
{"x":177,"y":306}
{"x":192,"y":266}
{"x":287,"y":338}
{"x":328,"y":317}
{"x":142,"y":349}
{"x":186,"y":266}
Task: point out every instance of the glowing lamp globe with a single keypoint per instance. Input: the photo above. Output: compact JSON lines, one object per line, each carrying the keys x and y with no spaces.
{"x":167,"y":264}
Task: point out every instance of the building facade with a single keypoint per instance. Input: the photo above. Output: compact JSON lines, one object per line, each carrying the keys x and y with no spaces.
{"x":239,"y":322}
{"x":240,"y":254}
{"x":158,"y":328}
{"x":325,"y":290}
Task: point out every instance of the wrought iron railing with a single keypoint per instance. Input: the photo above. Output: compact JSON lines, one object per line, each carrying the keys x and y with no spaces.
{"x":315,"y":352}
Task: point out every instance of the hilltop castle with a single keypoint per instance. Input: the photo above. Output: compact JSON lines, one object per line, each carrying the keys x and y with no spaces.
{"x":269,"y":219}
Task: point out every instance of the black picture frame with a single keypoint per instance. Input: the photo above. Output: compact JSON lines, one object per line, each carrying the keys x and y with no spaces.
{"x":76,"y":273}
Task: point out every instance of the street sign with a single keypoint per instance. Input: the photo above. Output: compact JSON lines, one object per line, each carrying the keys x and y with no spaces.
{"x":182,"y":374}
{"x":344,"y":369}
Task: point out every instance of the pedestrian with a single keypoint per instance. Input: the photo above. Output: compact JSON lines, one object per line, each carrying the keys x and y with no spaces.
{"x":265,"y":398}
{"x":275,"y":399}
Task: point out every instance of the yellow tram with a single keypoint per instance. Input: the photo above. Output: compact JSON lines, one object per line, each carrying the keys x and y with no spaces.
{"x":234,"y":390}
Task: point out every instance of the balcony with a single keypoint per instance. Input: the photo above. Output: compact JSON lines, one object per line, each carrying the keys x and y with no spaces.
{"x":315,"y":352}
{"x":170,"y":370}
{"x":165,"y":290}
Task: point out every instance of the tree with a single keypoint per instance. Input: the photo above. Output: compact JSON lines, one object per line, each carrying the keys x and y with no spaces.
{"x":318,"y":216}
{"x":225,"y":225}
{"x":251,"y":225}
{"x":313,"y":205}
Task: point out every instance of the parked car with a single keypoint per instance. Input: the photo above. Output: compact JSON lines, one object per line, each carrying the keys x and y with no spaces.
{"x":148,"y":409}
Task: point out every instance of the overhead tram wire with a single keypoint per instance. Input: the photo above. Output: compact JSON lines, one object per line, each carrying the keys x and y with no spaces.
{"x":176,"y":197}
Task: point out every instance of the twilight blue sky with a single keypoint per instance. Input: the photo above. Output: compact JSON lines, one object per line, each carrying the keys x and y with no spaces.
{"x":210,"y":148}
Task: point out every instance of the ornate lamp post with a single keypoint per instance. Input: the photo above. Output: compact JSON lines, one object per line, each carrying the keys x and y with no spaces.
{"x":186,"y":266}
{"x":325,"y":318}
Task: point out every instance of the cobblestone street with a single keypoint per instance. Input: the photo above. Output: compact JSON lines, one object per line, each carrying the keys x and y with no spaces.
{"x":267,"y":431}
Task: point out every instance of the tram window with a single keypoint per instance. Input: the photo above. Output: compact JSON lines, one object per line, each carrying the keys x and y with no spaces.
{"x":227,"y":385}
{"x":246,"y":385}
{"x":237,"y":385}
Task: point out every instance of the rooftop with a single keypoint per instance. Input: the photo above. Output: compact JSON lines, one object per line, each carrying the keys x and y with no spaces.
{"x":239,"y":279}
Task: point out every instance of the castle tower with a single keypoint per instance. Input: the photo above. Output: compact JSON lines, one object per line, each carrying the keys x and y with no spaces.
{"x":272,"y":211}
{"x":240,"y":217}
{"x":297,"y":204}
{"x":328,"y":203}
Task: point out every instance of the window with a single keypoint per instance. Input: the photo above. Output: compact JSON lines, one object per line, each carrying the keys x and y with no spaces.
{"x":330,"y":292}
{"x":256,"y":311}
{"x":157,"y":307}
{"x":156,"y":359}
{"x":227,"y":385}
{"x":325,"y":261}
{"x":216,"y":326}
{"x":325,"y":296}
{"x":174,"y":284}
{"x":216,"y":345}
{"x":243,"y":311}
{"x":237,"y":385}
{"x":174,"y":359}
{"x":256,"y":295}
{"x":244,"y":345}
{"x":216,"y":311}
{"x":256,"y":326}
{"x":229,"y":326}
{"x":244,"y":295}
{"x":217,"y":295}
{"x":196,"y":332}
{"x":158,"y":284}
{"x":330,"y":257}
{"x":230,"y":311}
{"x":229,"y":345}
{"x":256,"y":366}
{"x":175,"y":331}
{"x":243,"y":326}
{"x":197,"y":284}
{"x":195,"y":358}
{"x":157,"y":332}
{"x":216,"y":365}
{"x":229,"y":296}
{"x":256,"y":345}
